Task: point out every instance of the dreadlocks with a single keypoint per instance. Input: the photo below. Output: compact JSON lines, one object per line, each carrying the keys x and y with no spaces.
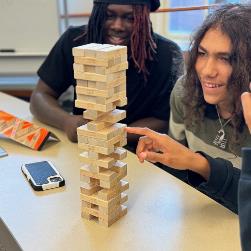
{"x":96,"y":23}
{"x":142,"y":34}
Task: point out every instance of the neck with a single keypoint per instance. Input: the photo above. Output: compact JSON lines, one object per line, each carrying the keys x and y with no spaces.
{"x":224,"y":111}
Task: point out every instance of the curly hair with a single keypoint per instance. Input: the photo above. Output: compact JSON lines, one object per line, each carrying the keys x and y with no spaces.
{"x":234,"y":20}
{"x":142,"y":34}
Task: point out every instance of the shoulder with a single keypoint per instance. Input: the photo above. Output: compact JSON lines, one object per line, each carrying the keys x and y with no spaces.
{"x":165,"y":45}
{"x":178,"y":90}
{"x":177,"y":95}
{"x":76,"y":30}
{"x":74,"y":35}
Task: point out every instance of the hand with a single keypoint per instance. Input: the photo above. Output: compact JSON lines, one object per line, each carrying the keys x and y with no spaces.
{"x":246,"y":104}
{"x":156,"y":147}
{"x":71,"y":125}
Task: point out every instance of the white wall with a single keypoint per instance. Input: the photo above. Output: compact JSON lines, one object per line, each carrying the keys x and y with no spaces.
{"x":30,"y":27}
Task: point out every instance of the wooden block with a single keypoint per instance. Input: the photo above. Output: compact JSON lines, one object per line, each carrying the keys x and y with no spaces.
{"x":117,"y":60}
{"x":121,"y":102}
{"x":102,"y":219}
{"x":120,"y":88}
{"x":124,"y":58}
{"x":97,"y":125}
{"x":84,"y":68}
{"x":107,"y":194}
{"x":95,"y":92}
{"x":90,"y":68}
{"x":87,"y":98}
{"x":110,"y":84}
{"x":98,"y":77}
{"x":84,"y":50}
{"x":92,"y":61}
{"x":105,"y":175}
{"x":115,"y":97}
{"x":120,"y":215}
{"x":92,"y":53}
{"x":102,"y":161}
{"x":106,"y":133}
{"x":97,"y":149}
{"x":89,"y":188}
{"x":121,"y":143}
{"x":82,"y":83}
{"x":92,"y":114}
{"x":95,"y":156}
{"x":119,"y":153}
{"x":100,"y":70}
{"x":113,"y":183}
{"x":103,"y":203}
{"x":113,"y":116}
{"x":115,"y":68}
{"x":83,"y":140}
{"x":113,"y":51}
{"x":93,"y":141}
{"x":94,"y":106}
{"x":102,"y":142}
{"x":95,"y":168}
{"x":78,"y":67}
{"x":88,"y":50}
{"x":114,"y":207}
{"x":85,"y":179}
{"x":85,"y":204}
{"x":91,"y":84}
{"x":118,"y":166}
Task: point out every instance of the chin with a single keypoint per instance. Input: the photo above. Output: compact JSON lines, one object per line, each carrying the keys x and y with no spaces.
{"x":211,"y":100}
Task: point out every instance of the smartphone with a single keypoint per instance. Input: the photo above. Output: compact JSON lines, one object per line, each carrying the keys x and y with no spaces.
{"x":42,"y":175}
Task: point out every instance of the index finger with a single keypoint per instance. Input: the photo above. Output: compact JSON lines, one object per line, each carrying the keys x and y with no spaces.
{"x":144,"y":131}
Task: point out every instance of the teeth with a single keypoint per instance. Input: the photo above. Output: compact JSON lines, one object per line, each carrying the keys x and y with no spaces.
{"x":212,"y":86}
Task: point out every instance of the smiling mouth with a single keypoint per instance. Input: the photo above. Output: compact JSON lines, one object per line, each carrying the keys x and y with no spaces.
{"x":116,"y":40}
{"x":210,"y":85}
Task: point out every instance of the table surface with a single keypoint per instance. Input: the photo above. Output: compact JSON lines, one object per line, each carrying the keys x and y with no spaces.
{"x":163,"y":212}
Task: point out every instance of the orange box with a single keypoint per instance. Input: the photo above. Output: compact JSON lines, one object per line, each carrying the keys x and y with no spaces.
{"x":23,"y":131}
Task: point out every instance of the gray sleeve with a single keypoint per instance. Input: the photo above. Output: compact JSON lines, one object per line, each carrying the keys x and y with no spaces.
{"x":176,"y":122}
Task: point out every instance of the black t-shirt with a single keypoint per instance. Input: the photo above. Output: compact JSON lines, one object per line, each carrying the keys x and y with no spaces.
{"x":150,"y":99}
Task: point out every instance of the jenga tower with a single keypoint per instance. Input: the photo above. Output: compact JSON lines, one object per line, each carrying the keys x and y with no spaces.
{"x":100,"y":71}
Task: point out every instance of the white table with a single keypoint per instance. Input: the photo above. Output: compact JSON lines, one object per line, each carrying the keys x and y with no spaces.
{"x":163,"y":212}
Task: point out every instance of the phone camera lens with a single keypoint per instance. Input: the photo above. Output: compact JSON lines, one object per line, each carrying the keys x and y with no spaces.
{"x":55,"y":179}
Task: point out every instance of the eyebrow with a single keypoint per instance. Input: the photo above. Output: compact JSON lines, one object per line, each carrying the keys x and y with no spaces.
{"x":223,"y":53}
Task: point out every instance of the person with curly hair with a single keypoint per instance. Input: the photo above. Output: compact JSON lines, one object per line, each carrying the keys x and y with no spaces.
{"x":207,"y":128}
{"x":155,"y":63}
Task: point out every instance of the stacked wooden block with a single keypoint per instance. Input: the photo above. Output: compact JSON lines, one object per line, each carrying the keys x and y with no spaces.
{"x":100,"y":72}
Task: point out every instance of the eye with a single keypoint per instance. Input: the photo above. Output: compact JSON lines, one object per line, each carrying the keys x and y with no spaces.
{"x":201,"y":53}
{"x":129,"y":18}
{"x":110,"y":16}
{"x":225,"y":59}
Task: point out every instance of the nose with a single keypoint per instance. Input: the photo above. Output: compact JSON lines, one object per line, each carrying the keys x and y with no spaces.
{"x":209,"y":68}
{"x":118,"y":24}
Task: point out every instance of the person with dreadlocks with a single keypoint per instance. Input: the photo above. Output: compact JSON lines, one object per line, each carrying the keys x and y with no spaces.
{"x":155,"y":63}
{"x":207,"y":126}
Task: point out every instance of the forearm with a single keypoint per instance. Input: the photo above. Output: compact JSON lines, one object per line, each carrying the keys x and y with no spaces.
{"x":222,"y":183}
{"x":47,"y":110}
{"x":199,"y":164}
